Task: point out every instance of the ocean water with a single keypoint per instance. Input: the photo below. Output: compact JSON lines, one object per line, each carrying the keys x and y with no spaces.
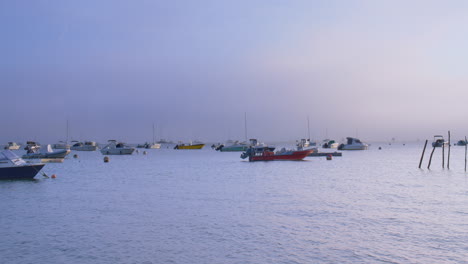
{"x":189,"y":206}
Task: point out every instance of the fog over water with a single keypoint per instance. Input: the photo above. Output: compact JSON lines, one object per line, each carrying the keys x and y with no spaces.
{"x":113,"y":68}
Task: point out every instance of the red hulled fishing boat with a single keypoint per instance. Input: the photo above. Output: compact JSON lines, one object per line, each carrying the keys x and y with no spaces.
{"x":267,"y":155}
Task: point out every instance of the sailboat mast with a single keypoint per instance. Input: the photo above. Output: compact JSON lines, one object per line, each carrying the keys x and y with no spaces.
{"x":153,"y":133}
{"x":66,"y":141}
{"x":245,"y":125}
{"x":308,"y":127}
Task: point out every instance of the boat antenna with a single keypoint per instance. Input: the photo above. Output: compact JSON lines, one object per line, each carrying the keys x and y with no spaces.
{"x":245,"y":125}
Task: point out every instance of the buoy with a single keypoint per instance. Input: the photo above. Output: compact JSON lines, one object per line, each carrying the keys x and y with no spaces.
{"x":144,"y":152}
{"x":53,"y":176}
{"x":75,"y":156}
{"x":137,"y":151}
{"x":380,"y":148}
{"x":106,"y":159}
{"x":329,"y":157}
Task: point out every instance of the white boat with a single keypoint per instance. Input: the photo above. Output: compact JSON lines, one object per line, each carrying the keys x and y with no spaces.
{"x":117,"y":148}
{"x":153,"y":145}
{"x":61,"y":145}
{"x":14,"y":167}
{"x":84,"y":146}
{"x":305,"y":144}
{"x":12,"y":146}
{"x":353,"y":144}
{"x":34,"y":151}
{"x":330,"y":143}
{"x":439,"y":141}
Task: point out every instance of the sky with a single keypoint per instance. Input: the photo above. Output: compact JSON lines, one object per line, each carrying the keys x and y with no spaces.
{"x":373,"y":69}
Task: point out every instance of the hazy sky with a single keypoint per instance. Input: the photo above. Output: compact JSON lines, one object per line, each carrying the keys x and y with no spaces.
{"x":378,"y":69}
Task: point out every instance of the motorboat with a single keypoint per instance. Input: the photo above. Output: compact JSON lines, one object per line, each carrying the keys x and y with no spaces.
{"x":14,"y":167}
{"x":438,"y":141}
{"x":34,"y":151}
{"x":84,"y":146}
{"x":330,"y":143}
{"x":61,"y":145}
{"x":191,"y":145}
{"x":147,"y":145}
{"x":117,"y":148}
{"x":353,"y":144}
{"x":232,"y":146}
{"x":305,"y":144}
{"x":260,"y":147}
{"x":461,"y":143}
{"x":267,"y":155}
{"x":12,"y":146}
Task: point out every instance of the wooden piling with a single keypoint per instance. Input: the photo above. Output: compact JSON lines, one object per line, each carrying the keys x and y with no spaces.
{"x":430,"y":158}
{"x":422,"y":155}
{"x":443,"y":155}
{"x":465,"y":152}
{"x":448,"y":155}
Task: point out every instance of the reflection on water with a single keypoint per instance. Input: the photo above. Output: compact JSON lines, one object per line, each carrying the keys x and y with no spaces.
{"x":208,"y":207}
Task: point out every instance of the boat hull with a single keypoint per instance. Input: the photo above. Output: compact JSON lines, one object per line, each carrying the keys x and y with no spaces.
{"x":234,"y":148}
{"x":20,"y":172}
{"x":196,"y":146}
{"x":294,"y":156}
{"x":85,"y":148}
{"x":126,"y":151}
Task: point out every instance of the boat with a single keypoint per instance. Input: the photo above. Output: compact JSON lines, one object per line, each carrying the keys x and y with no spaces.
{"x":461,"y":143}
{"x":12,"y":146}
{"x":34,"y":151}
{"x":267,"y":155}
{"x":438,"y":141}
{"x":117,"y":148}
{"x":191,"y":145}
{"x":259,"y":147}
{"x":330,"y":143}
{"x":232,"y":146}
{"x":84,"y":146}
{"x":153,"y":145}
{"x":305,"y":144}
{"x":13,"y":167}
{"x":353,"y":144}
{"x":61,"y":145}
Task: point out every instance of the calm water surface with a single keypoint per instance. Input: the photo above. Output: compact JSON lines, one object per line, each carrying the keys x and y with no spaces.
{"x":176,"y":206}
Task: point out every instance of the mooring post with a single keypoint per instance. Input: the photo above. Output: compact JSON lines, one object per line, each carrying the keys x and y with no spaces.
{"x":465,"y":151}
{"x":430,"y":158}
{"x":422,"y":155}
{"x":443,"y":154}
{"x":448,"y":154}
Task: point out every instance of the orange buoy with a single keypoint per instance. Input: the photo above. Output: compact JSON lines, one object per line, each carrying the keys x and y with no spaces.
{"x":53,"y":176}
{"x":106,"y":159}
{"x":329,"y":157}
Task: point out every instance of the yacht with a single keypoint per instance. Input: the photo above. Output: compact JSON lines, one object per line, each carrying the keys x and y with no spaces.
{"x":12,"y":146}
{"x":84,"y":146}
{"x":353,"y":144}
{"x":14,"y":167}
{"x":117,"y":148}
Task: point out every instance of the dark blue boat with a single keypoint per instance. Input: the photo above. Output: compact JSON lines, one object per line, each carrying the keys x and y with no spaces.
{"x":13,"y":167}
